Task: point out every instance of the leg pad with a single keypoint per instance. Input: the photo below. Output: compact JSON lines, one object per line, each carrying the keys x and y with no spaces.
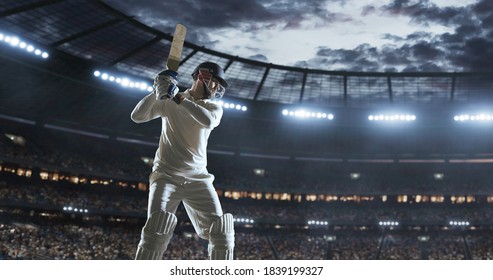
{"x":222,"y":238}
{"x":156,"y":235}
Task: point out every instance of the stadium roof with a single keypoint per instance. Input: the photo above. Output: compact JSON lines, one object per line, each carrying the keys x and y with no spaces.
{"x":104,"y":36}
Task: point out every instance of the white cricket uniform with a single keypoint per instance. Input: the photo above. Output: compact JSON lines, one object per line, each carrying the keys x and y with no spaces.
{"x":179,"y":172}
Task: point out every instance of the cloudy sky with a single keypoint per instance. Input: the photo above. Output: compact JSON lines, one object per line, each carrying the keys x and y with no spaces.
{"x":355,"y":35}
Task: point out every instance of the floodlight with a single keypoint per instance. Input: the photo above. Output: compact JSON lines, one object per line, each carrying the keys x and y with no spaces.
{"x":354,"y":176}
{"x":17,"y":42}
{"x":438,"y":176}
{"x":231,"y":106}
{"x":459,"y":223}
{"x":14,"y":41}
{"x":392,"y":117}
{"x":423,"y":238}
{"x":388,"y":223}
{"x":481,"y":117}
{"x":243,"y":220}
{"x":317,"y":223}
{"x":307,"y":114}
{"x":122,"y":81}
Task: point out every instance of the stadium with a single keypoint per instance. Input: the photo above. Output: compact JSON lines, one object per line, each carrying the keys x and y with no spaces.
{"x":313,"y":164}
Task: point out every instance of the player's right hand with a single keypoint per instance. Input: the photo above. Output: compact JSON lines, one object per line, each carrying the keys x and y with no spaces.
{"x":165,"y":84}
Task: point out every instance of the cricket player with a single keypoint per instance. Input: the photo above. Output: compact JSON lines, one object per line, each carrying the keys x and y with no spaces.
{"x":179,"y":172}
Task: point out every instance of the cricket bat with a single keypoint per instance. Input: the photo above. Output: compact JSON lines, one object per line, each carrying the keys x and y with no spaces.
{"x":174,"y":56}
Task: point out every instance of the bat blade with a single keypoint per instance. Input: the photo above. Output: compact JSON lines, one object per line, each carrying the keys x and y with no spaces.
{"x":174,"y":56}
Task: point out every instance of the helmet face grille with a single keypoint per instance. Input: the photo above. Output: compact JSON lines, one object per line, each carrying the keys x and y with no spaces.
{"x":214,"y":87}
{"x":213,"y":68}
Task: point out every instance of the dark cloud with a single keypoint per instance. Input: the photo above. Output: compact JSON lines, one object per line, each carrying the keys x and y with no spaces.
{"x":424,"y":11}
{"x":483,"y":7}
{"x":197,"y":13}
{"x":487,"y":22}
{"x":422,"y":56}
{"x":204,"y":18}
{"x":392,"y":37}
{"x":466,"y":48}
{"x":411,"y":68}
{"x":477,"y":55}
{"x":390,"y":69}
{"x":429,"y":67}
{"x":362,"y":58}
{"x":368,"y":10}
{"x":259,"y":57}
{"x":245,"y":15}
{"x":393,"y":57}
{"x":423,"y":51}
{"x":471,"y":46}
{"x":420,"y":35}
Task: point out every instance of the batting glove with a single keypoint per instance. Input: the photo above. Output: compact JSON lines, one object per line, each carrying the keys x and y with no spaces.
{"x":165,"y":85}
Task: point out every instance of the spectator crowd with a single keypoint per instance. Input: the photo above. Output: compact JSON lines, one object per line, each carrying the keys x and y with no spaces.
{"x":272,"y":236}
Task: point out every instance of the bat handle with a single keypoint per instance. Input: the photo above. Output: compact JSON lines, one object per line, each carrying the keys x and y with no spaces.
{"x":177,"y":98}
{"x":170,"y":73}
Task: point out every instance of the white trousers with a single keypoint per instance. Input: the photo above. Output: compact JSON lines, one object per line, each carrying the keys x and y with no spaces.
{"x":198,"y":196}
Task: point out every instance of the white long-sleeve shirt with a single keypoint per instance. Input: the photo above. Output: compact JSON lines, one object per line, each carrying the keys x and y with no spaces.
{"x":185,"y":131}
